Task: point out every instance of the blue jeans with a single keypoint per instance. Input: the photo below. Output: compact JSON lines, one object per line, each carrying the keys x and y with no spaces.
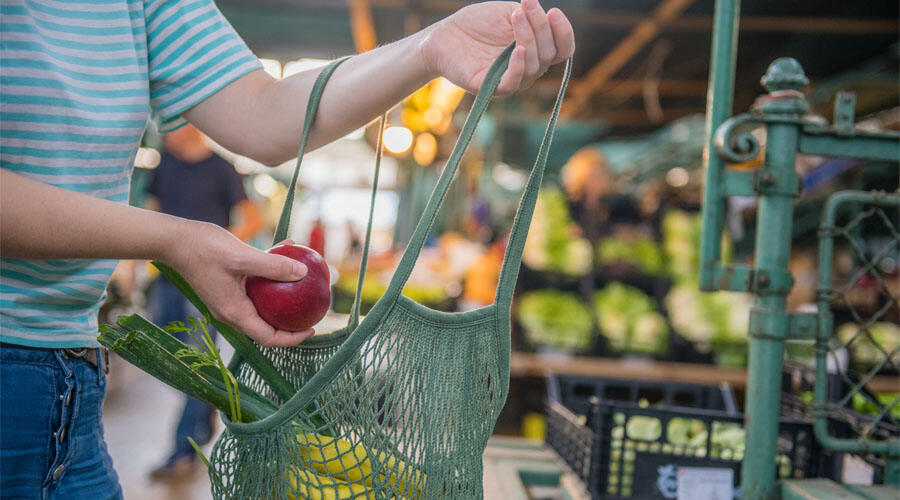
{"x":168,"y":305}
{"x":51,"y":434}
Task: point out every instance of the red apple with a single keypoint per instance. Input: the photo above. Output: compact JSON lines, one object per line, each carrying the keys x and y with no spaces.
{"x":293,"y":306}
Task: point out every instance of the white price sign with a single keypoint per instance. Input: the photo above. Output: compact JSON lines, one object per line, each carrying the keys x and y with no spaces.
{"x":705,"y":483}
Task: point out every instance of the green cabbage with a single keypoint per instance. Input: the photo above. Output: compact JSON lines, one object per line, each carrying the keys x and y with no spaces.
{"x":628,"y":319}
{"x":555,"y":319}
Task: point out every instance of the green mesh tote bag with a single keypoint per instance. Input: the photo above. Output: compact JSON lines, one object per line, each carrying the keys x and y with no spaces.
{"x":398,"y":406}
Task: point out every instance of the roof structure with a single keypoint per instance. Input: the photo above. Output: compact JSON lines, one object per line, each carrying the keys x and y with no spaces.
{"x":639,"y":64}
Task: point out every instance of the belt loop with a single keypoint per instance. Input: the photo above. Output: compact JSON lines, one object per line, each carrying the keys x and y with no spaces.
{"x":63,"y":359}
{"x":101,"y":367}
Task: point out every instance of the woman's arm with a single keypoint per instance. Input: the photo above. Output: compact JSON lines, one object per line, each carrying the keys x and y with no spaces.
{"x":262,"y":118}
{"x":40,"y":221}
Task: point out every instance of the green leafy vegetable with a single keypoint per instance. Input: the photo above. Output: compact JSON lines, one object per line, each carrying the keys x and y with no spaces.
{"x":629,"y":320}
{"x":555,"y":319}
{"x":207,"y":355}
{"x":553,"y":241}
{"x":641,"y":252}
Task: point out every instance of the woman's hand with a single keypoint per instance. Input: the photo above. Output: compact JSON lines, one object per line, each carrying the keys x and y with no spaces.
{"x":463,"y":46}
{"x":217,"y":264}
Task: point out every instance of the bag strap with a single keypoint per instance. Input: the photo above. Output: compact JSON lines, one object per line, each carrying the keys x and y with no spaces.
{"x":284,"y":221}
{"x":512,"y":259}
{"x":523,"y":218}
{"x":364,"y":260}
{"x":315,"y":97}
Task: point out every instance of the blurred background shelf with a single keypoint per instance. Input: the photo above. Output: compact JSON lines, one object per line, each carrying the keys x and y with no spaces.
{"x":535,"y":365}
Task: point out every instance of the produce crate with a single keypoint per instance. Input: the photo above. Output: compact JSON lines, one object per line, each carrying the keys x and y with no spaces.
{"x":627,"y":439}
{"x":638,"y":452}
{"x":575,"y":393}
{"x":797,"y":386}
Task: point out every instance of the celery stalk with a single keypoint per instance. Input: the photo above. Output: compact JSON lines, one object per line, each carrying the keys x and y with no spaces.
{"x":243,"y":346}
{"x":141,"y":348}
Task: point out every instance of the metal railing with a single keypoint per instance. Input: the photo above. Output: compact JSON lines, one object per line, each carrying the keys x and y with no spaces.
{"x":776,"y":185}
{"x":867,"y":299}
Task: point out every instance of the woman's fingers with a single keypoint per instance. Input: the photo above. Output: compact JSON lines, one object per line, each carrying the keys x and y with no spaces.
{"x":543,"y":35}
{"x":243,"y":316}
{"x":563,"y":35}
{"x":272,"y":266}
{"x":512,"y":79}
{"x":525,"y":40}
{"x":542,"y":39}
{"x":282,"y":338}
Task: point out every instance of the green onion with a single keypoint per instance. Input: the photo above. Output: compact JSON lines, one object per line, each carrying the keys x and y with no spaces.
{"x":243,"y":346}
{"x":155,"y":351}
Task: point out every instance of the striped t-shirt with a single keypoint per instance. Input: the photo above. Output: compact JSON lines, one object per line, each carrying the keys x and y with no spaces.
{"x":78,"y":80}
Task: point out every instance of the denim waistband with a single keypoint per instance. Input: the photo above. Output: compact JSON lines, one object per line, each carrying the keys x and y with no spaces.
{"x":11,"y":353}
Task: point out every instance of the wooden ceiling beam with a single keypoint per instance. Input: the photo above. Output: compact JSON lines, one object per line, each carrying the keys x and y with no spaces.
{"x":645,"y":31}
{"x":631,"y":87}
{"x":793,"y":24}
{"x":639,"y":118}
{"x":362,"y":25}
{"x":694,"y":23}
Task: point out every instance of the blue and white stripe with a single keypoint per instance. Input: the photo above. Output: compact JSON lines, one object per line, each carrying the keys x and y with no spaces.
{"x":78,"y":81}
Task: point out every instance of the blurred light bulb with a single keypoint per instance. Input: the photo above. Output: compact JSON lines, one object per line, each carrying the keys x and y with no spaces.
{"x":425,"y":150}
{"x":433,"y":117}
{"x":397,"y":139}
{"x":677,"y":177}
{"x":272,"y":67}
{"x":294,"y":67}
{"x":265,"y":185}
{"x":146,"y":158}
{"x":356,"y":134}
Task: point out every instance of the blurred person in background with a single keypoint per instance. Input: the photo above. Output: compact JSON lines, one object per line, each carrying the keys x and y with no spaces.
{"x":194,"y":183}
{"x":317,"y":237}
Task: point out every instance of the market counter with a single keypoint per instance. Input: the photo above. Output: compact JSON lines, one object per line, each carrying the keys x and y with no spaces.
{"x":825,"y":489}
{"x":521,"y":469}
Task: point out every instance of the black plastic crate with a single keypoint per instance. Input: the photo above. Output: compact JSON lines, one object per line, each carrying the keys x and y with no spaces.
{"x":575,"y":392}
{"x":843,"y":423}
{"x":568,"y":435}
{"x":587,"y":419}
{"x":570,"y":397}
{"x":637,"y":451}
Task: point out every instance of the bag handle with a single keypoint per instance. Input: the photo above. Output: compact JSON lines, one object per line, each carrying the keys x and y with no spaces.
{"x":284,"y":221}
{"x":522,"y":220}
{"x":315,"y":97}
{"x":364,"y":260}
{"x":423,"y":227}
{"x":512,"y":259}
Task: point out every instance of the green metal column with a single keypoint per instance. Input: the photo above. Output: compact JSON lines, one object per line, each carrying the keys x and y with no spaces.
{"x":718,"y":109}
{"x":777,"y":185}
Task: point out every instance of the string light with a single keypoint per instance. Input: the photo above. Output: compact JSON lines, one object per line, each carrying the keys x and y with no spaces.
{"x":677,"y":177}
{"x":265,"y":185}
{"x":147,"y":158}
{"x":397,"y":140}
{"x":272,"y":67}
{"x":425,"y":150}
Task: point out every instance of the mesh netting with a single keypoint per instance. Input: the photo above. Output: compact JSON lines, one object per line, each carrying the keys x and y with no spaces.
{"x":859,"y":286}
{"x":407,"y":415}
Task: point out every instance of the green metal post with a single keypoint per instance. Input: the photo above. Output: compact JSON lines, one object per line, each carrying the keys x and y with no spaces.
{"x":718,"y":109}
{"x":777,"y":187}
{"x":892,"y":472}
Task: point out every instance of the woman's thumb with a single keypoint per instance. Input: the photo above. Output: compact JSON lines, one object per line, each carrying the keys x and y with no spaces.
{"x":276,"y":267}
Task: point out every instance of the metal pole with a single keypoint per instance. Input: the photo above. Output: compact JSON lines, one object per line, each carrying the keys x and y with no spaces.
{"x":777,"y":186}
{"x":718,"y":108}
